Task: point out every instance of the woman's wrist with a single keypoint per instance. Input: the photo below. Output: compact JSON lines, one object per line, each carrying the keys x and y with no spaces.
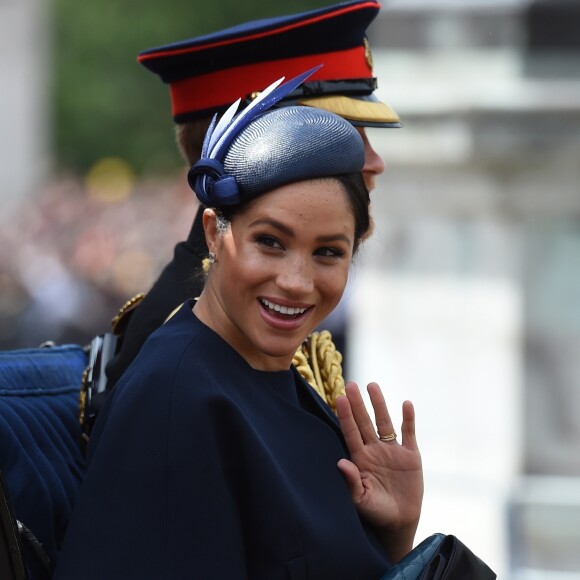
{"x":398,"y":543}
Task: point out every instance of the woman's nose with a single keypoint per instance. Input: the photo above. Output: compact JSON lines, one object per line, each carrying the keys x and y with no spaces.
{"x":296,"y":277}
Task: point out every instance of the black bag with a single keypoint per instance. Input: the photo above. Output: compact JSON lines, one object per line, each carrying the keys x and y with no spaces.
{"x":440,"y":557}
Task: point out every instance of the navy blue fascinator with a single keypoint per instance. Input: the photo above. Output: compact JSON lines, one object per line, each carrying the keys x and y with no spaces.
{"x":257,"y":150}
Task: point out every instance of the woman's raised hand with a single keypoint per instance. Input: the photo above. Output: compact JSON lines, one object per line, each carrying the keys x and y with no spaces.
{"x":385,"y":477}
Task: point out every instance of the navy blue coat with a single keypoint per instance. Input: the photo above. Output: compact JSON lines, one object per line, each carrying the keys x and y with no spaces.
{"x":202,"y":467}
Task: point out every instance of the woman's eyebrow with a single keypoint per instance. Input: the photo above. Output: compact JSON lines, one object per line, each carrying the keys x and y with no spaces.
{"x":275,"y":224}
{"x":333,"y":238}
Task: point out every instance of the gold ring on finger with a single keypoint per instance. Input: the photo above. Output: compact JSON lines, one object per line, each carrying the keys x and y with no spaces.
{"x":387,"y":438}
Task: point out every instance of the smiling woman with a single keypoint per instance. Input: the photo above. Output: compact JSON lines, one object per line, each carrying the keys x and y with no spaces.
{"x":275,"y":277}
{"x":212,"y":457}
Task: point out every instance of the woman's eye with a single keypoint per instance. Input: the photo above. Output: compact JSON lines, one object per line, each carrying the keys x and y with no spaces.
{"x":269,"y":242}
{"x":329,"y":253}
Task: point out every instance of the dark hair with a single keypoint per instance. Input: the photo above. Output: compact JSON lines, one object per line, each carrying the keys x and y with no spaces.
{"x":359,"y":199}
{"x":357,"y":194}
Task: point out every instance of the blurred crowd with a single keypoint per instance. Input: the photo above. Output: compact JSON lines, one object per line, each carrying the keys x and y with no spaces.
{"x":76,"y":250}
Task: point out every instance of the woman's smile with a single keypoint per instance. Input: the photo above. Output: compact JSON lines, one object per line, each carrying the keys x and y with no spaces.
{"x":281,"y":309}
{"x":283,"y":317}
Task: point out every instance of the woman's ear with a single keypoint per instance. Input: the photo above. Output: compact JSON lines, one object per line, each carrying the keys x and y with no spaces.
{"x":210,"y":229}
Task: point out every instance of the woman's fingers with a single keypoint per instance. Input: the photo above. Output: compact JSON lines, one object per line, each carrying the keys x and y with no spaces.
{"x":348,"y":426}
{"x":361,"y":416}
{"x":356,"y":424}
{"x":352,"y":476}
{"x":408,"y":426}
{"x":382,"y":418}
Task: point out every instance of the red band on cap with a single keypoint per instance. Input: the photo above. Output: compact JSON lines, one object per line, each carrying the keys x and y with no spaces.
{"x":222,"y":88}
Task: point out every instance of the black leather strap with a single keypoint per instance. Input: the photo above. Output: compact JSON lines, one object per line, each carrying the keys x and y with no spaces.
{"x":11,"y":559}
{"x":33,"y":549}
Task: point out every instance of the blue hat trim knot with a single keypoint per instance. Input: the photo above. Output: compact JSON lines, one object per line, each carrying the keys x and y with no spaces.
{"x":211,"y":184}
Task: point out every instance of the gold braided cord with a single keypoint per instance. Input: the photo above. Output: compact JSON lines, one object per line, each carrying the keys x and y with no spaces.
{"x":300,"y":361}
{"x":320,"y":364}
{"x":83,"y":396}
{"x":312,"y":343}
{"x":330,"y":367}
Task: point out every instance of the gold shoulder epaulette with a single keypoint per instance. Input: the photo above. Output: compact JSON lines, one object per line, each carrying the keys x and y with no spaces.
{"x":121,"y":319}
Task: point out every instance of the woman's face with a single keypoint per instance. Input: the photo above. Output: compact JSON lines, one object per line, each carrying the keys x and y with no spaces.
{"x":279,"y":270}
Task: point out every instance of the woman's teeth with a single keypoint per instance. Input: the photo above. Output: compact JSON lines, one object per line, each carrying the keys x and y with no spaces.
{"x":289,"y":310}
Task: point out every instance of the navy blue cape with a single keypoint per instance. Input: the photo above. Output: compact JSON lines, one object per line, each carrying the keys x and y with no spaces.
{"x":202,"y":467}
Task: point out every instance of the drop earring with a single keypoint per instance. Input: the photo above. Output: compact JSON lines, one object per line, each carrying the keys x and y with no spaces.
{"x":207,"y":262}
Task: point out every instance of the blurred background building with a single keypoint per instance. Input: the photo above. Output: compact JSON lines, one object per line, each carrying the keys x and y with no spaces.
{"x":467,"y":298}
{"x":24,"y":98}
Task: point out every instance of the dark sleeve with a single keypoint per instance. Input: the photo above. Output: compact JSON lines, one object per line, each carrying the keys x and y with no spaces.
{"x":180,"y":280}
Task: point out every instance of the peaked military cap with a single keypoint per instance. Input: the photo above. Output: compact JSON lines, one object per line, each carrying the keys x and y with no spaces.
{"x":206,"y":74}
